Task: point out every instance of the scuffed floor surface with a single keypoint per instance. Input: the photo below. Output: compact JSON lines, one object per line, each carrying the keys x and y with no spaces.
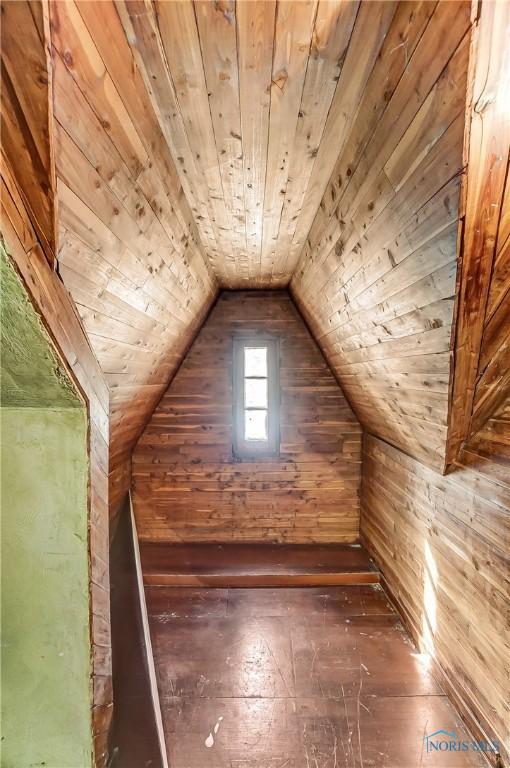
{"x":294,"y":678}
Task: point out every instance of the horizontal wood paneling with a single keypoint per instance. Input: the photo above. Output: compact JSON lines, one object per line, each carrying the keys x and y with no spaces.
{"x":129,"y":249}
{"x":376,"y":277}
{"x":443,"y":546}
{"x":188,"y":487}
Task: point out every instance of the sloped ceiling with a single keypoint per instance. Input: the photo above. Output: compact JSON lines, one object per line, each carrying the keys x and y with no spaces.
{"x":319,"y":145}
{"x":129,"y":251}
{"x":381,"y":253}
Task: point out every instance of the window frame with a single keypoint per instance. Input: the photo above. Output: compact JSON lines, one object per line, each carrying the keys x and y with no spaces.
{"x":253,"y":449}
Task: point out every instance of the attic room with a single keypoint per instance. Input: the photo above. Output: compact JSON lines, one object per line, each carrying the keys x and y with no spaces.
{"x":255,"y":401}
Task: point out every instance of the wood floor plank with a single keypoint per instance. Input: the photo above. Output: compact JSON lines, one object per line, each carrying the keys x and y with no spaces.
{"x":279,"y":682}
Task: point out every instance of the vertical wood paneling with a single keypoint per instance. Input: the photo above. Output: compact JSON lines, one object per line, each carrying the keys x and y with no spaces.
{"x":328,"y":49}
{"x":255,"y":31}
{"x":371,"y":27}
{"x":181,"y":47}
{"x":256,"y":101}
{"x":187,"y":484}
{"x":217,"y":21}
{"x":293,"y":34}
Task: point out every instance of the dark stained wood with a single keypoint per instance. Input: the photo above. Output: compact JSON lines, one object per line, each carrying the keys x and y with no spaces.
{"x":187,"y":484}
{"x":443,"y":544}
{"x":488,"y":451}
{"x":256,"y":565}
{"x":195,"y":602}
{"x":134,"y":738}
{"x":221,"y":580}
{"x":376,"y":276}
{"x":481,"y":372}
{"x":294,"y":678}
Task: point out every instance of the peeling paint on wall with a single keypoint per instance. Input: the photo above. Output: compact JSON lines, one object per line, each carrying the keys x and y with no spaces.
{"x":32,"y":374}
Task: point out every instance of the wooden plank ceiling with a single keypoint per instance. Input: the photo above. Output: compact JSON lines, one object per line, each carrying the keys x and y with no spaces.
{"x":316,"y":144}
{"x":251,"y":97}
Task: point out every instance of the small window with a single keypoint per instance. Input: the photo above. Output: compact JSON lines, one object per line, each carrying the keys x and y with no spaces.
{"x":256,"y":397}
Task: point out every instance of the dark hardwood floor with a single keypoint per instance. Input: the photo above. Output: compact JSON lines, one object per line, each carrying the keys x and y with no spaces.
{"x":319,"y":677}
{"x":256,"y":565}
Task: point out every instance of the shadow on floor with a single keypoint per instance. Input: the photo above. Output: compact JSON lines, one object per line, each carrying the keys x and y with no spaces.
{"x":134,"y":739}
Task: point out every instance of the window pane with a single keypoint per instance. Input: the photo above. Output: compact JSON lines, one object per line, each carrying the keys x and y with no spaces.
{"x":255,"y":425}
{"x":255,"y":361}
{"x":255,"y":393}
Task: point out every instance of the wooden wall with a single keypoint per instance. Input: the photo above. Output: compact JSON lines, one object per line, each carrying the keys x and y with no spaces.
{"x":443,"y":545}
{"x":443,"y":542}
{"x":28,"y":223}
{"x":481,"y":370}
{"x":188,"y":487}
{"x":129,"y":250}
{"x":488,"y":450}
{"x":376,"y":278}
{"x":63,"y":323}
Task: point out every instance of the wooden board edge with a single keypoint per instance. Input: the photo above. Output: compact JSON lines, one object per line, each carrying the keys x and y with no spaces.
{"x":148,"y":643}
{"x":226,"y":581}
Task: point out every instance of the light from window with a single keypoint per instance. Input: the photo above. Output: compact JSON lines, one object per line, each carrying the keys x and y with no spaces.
{"x":255,"y":393}
{"x":255,"y":397}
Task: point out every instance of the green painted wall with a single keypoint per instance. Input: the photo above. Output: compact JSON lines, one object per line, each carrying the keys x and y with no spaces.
{"x":32,"y":374}
{"x":46,"y":665}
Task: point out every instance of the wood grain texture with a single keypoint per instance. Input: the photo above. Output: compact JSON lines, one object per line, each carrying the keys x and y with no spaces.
{"x":488,"y":450}
{"x":443,"y":546}
{"x":27,"y":113}
{"x":294,"y":678}
{"x":381,"y":252}
{"x":188,"y":487}
{"x":129,"y":250}
{"x":256,"y":565}
{"x":255,"y":100}
{"x":481,"y":371}
{"x":61,"y":319}
{"x":134,"y":737}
